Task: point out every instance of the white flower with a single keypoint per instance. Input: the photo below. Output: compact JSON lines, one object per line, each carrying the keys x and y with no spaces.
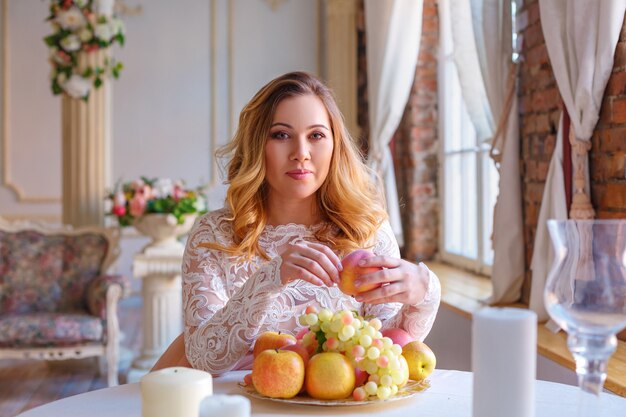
{"x":77,"y":86}
{"x":71,"y":43}
{"x":200,"y":204}
{"x":105,"y":7}
{"x":85,"y":35}
{"x":163,"y":187}
{"x":118,"y":26}
{"x":71,"y":19}
{"x":104,"y":32}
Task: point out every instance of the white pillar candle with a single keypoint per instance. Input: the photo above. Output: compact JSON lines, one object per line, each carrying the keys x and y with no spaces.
{"x":225,"y":405}
{"x":504,"y":361}
{"x":175,"y":391}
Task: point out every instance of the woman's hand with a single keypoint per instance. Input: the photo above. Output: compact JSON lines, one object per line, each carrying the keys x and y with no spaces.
{"x":311,"y":262}
{"x":403,"y":282}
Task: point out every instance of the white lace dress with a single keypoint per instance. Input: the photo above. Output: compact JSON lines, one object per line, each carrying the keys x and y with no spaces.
{"x":228,"y":301}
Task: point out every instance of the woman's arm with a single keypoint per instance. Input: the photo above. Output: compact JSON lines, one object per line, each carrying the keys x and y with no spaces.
{"x":219,"y":330}
{"x":410,"y":299}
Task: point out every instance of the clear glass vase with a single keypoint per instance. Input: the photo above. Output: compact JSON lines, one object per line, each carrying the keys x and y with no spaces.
{"x":586,"y":292}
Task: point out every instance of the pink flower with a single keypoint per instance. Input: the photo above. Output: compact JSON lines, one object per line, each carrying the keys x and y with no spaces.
{"x":137,"y":184}
{"x":137,"y":205}
{"x":178,"y":192}
{"x":119,"y":210}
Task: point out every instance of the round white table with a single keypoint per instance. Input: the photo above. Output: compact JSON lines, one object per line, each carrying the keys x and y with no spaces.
{"x":449,"y":395}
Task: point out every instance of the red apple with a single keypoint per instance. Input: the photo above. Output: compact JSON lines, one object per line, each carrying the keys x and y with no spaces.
{"x":300,"y":350}
{"x":272,"y":340}
{"x":360,"y":377}
{"x":351,"y":271}
{"x":278,"y":373}
{"x":301,"y":333}
{"x":398,"y":336}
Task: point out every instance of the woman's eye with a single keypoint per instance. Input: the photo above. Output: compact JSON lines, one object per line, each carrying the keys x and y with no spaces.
{"x":317,"y":136}
{"x":280,"y":135}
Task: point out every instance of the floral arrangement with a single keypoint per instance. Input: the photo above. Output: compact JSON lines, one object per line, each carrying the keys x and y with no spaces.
{"x":143,"y":196}
{"x":81,"y":26}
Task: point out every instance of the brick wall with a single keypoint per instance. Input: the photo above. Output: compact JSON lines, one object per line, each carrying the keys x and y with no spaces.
{"x":416,"y":149}
{"x":608,"y":151}
{"x":540,"y":107}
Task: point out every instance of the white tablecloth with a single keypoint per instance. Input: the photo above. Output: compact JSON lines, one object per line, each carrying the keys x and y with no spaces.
{"x":450,"y":395}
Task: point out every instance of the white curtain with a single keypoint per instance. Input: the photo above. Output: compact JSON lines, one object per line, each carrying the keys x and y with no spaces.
{"x":393,"y":31}
{"x":482,"y":32}
{"x":581,"y":36}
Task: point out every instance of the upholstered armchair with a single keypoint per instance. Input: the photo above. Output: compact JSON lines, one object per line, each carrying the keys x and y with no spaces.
{"x":56,"y":300}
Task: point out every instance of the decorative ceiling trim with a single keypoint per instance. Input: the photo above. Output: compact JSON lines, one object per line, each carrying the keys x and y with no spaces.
{"x":7,"y":180}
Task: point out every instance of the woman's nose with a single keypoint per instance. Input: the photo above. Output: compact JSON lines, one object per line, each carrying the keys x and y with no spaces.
{"x":301,"y":151}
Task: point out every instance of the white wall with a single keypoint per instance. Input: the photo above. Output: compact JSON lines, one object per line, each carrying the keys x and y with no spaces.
{"x":451,"y":340}
{"x":189,"y":69}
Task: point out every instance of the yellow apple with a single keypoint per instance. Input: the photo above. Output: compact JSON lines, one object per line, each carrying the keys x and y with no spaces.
{"x":420,"y":358}
{"x":272,"y":340}
{"x":404,"y":368}
{"x":351,"y":271}
{"x":329,"y":376}
{"x":278,"y":373}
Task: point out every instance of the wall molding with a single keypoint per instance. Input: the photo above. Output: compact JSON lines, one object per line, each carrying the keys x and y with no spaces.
{"x":7,"y":179}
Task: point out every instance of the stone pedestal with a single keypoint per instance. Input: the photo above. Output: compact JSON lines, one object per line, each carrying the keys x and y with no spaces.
{"x":162,"y":315}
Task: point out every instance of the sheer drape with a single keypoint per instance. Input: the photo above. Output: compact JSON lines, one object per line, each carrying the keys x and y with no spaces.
{"x":482,"y":32}
{"x":580,"y":36}
{"x":394,"y":28}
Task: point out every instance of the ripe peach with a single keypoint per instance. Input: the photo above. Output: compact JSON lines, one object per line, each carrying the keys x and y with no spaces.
{"x":398,"y":336}
{"x":351,"y":271}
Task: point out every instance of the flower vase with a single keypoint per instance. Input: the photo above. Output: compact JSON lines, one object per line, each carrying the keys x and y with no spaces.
{"x":163,"y":230}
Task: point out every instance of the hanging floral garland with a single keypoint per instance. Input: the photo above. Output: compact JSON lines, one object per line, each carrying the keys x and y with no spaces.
{"x":81,"y":26}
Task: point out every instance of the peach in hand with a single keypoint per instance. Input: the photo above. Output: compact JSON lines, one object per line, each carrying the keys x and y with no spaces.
{"x":351,"y":271}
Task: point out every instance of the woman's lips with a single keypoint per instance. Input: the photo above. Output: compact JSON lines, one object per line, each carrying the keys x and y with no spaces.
{"x":299,"y":174}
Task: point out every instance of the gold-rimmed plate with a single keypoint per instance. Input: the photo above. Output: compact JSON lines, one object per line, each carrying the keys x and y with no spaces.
{"x":407,"y":391}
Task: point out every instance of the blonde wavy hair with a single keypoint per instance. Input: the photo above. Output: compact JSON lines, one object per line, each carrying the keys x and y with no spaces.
{"x":348,"y":199}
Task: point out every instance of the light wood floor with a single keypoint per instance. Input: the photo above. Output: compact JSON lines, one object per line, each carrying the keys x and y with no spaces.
{"x":25,"y":384}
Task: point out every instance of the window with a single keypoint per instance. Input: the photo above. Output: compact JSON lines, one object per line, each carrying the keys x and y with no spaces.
{"x":468,"y":178}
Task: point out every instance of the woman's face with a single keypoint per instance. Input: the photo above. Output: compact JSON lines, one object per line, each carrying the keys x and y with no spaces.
{"x":299,"y":148}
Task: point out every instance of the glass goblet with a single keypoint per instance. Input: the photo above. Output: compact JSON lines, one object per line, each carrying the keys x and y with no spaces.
{"x":585,"y":292}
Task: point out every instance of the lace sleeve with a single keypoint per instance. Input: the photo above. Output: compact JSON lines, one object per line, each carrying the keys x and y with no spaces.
{"x":219,"y":329}
{"x":418,"y":319}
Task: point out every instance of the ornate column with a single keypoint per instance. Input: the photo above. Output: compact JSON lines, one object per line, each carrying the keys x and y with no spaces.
{"x":339,"y":34}
{"x":86,"y":137}
{"x":162,"y":319}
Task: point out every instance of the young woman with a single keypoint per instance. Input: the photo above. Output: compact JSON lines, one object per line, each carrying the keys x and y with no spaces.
{"x":299,"y":199}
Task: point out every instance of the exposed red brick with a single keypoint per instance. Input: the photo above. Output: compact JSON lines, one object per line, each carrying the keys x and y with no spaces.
{"x":615,"y":195}
{"x":537,"y":55}
{"x":620,"y":55}
{"x":606,"y":214}
{"x":533,"y":12}
{"x":613,"y":140}
{"x":533,"y":36}
{"x":616,"y":85}
{"x":546,"y":99}
{"x":618,"y":110}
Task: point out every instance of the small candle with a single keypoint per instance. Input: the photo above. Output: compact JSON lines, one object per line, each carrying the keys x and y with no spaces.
{"x":175,"y":391}
{"x":225,"y":405}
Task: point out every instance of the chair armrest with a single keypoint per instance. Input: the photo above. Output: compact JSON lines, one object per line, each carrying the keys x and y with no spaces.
{"x":99,"y":289}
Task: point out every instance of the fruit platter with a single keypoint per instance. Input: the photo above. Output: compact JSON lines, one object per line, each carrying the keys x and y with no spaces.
{"x":338,"y":358}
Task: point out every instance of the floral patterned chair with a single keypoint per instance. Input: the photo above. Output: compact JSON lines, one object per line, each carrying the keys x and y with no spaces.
{"x":56,"y":301}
